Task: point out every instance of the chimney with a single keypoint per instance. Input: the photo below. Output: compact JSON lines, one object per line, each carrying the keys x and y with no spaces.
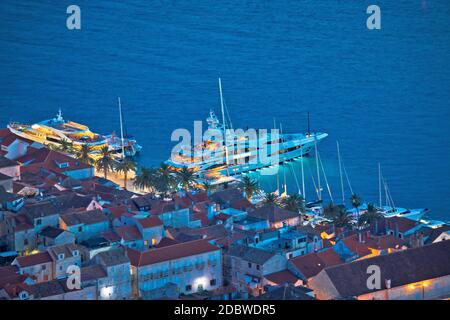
{"x":388,"y":283}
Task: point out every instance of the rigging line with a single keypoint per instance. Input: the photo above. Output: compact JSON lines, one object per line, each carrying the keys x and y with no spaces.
{"x":390,"y":196}
{"x":340,"y":172}
{"x":325,"y":177}
{"x":314,"y":182}
{"x":317,"y":168}
{"x":348,"y":180}
{"x":295,"y":178}
{"x":228,"y":114}
{"x":386,"y":193}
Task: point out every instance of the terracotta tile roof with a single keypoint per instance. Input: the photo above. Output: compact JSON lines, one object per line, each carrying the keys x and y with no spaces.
{"x":250,"y":254}
{"x":273,"y":213}
{"x":212,"y":232}
{"x":117,"y":211}
{"x":111,"y":236}
{"x":227,"y":196}
{"x":150,"y":222}
{"x":402,"y":268}
{"x":34,"y":259}
{"x":282,"y":277}
{"x":242,"y":204}
{"x":50,"y":288}
{"x":198,"y":197}
{"x":166,"y":242}
{"x":287,"y":292}
{"x":360,"y":248}
{"x":49,"y":160}
{"x":385,"y":242}
{"x":161,"y":206}
{"x":311,"y":264}
{"x":85,"y":217}
{"x":173,"y":252}
{"x":222,"y":217}
{"x":113,"y":257}
{"x":5,"y":162}
{"x":128,"y":233}
{"x":202,"y":216}
{"x":14,"y":290}
{"x":51,"y":232}
{"x":403,"y":224}
{"x":92,"y":272}
{"x":67,"y":249}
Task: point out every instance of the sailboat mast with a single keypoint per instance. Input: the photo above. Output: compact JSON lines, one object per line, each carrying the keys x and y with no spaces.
{"x":303,"y":174}
{"x":319,"y":191}
{"x":309,"y":129}
{"x":222,"y":108}
{"x":379,"y":184}
{"x":121,"y":129}
{"x":340,"y":173}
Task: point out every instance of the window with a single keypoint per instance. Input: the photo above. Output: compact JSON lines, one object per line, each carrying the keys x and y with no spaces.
{"x":38,"y":222}
{"x":61,"y":256}
{"x":188,"y":287}
{"x":25,"y":242}
{"x":258,"y":267}
{"x":44,"y":266}
{"x":249,"y":264}
{"x":60,"y":268}
{"x":75,"y":253}
{"x":80,"y":229}
{"x":290,"y":256}
{"x":213,"y":282}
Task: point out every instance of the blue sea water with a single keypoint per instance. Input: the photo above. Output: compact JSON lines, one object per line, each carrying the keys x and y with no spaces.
{"x":384,"y":94}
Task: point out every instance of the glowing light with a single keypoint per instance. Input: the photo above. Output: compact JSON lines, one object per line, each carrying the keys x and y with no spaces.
{"x":201,"y":281}
{"x":106,"y":292}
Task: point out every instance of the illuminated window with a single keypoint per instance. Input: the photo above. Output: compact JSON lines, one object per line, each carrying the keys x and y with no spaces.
{"x":153,"y":242}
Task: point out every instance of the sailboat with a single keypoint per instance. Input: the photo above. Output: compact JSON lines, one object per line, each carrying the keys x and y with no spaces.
{"x":124,"y":146}
{"x":389,"y":209}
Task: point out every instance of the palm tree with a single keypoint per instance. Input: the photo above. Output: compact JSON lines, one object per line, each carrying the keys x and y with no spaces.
{"x":125,"y":166}
{"x":249,"y":186}
{"x":371,"y":216}
{"x":207,"y":186}
{"x":165,"y":179}
{"x":185,"y":178}
{"x":356,"y":202}
{"x":341,"y":217}
{"x":293,"y":202}
{"x":271,"y":198}
{"x":66,"y":146}
{"x":105,"y":163}
{"x":83,"y":154}
{"x":145,"y":179}
{"x":329,"y":211}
